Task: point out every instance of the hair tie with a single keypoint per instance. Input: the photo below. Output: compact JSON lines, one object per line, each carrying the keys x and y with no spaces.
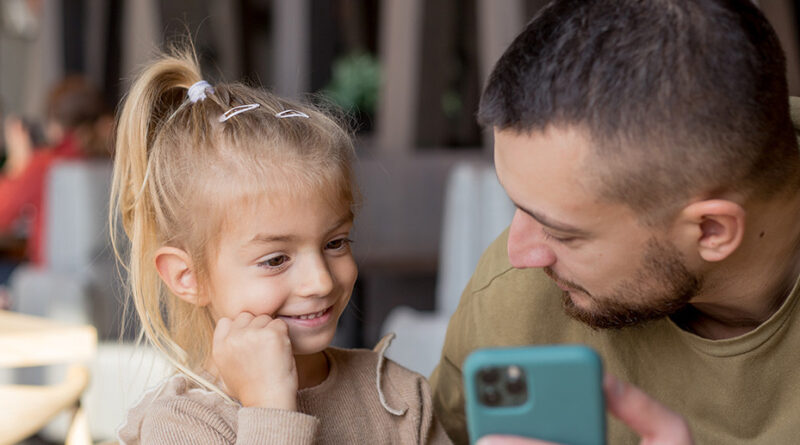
{"x":290,"y":113}
{"x":236,"y":110}
{"x":198,"y":91}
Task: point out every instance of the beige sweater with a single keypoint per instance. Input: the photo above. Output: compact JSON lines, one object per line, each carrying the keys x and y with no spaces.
{"x":344,"y":409}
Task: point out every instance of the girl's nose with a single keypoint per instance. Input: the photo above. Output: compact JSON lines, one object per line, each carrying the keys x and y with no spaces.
{"x":315,"y":278}
{"x":526,"y":244}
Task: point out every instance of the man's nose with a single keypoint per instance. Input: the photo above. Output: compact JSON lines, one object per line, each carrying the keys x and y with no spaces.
{"x":526,"y":244}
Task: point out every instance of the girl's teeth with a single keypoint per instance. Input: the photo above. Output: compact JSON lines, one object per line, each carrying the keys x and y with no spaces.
{"x":311,"y":316}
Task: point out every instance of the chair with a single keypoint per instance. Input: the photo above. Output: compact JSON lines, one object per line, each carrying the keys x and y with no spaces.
{"x":476,"y":211}
{"x":78,"y":284}
{"x":32,"y":341}
{"x":78,"y":280}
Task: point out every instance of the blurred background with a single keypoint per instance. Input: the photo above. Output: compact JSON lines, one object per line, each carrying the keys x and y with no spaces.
{"x":407,"y":72}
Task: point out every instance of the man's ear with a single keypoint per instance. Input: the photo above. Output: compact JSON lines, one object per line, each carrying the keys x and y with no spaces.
{"x":716,"y":227}
{"x":176,"y":270}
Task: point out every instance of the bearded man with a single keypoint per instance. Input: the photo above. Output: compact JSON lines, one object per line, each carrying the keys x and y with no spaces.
{"x":649,"y":150}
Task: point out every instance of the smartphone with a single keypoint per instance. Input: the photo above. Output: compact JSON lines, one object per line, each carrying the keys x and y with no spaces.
{"x":552,"y":393}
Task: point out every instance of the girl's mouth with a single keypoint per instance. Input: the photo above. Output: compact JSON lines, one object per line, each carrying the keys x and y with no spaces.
{"x":311,"y":320}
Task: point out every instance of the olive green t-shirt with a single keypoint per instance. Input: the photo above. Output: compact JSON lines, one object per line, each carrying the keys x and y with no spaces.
{"x":740,"y":390}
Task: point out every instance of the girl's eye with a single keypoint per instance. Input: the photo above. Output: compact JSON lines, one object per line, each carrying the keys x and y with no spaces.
{"x":338,"y":244}
{"x":274,"y":262}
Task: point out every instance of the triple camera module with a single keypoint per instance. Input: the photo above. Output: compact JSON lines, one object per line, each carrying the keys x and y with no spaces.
{"x":502,"y":386}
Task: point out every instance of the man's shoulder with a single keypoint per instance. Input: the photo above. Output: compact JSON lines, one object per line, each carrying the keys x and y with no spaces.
{"x":505,"y":306}
{"x":492,"y":263}
{"x":496,"y":280}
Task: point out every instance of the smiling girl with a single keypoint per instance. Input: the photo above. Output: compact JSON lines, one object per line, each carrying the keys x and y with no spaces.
{"x":237,"y":206}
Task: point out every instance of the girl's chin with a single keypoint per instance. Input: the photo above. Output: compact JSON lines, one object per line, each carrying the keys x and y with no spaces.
{"x":308,"y":346}
{"x":307,"y":351}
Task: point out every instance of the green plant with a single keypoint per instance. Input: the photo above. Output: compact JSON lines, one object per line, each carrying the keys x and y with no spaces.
{"x":355,"y":83}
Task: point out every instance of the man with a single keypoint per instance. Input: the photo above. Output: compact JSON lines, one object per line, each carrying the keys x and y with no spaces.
{"x":648,"y":148}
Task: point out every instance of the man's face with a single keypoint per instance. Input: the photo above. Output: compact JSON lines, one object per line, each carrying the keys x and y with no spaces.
{"x":613,"y":270}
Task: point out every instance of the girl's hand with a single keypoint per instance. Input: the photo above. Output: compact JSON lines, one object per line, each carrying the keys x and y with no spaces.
{"x":254,"y":358}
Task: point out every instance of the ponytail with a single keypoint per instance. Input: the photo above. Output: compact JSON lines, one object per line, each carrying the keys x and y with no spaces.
{"x":157,"y":94}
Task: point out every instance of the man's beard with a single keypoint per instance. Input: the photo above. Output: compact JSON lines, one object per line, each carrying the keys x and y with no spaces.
{"x":662,"y":286}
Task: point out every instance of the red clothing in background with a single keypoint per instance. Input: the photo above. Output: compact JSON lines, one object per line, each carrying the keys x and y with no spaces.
{"x":24,"y":193}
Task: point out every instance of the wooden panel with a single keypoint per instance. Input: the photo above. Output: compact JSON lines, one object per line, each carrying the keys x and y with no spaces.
{"x":781,"y":14}
{"x":291,"y":43}
{"x":499,"y":21}
{"x":399,"y":53}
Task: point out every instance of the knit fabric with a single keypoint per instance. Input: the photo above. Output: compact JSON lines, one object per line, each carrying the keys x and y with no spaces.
{"x":345,"y":408}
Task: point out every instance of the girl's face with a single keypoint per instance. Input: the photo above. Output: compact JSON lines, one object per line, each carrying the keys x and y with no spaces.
{"x":288,"y":258}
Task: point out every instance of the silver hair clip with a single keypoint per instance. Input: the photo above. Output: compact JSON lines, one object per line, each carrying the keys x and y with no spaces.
{"x":290,"y":113}
{"x":198,"y":91}
{"x":236,"y":110}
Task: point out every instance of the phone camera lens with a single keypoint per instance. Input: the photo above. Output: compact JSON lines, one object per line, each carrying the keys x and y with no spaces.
{"x":515,"y":380}
{"x":490,"y":396}
{"x":490,"y":375}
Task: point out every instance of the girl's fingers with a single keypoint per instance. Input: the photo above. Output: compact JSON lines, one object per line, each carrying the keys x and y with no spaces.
{"x":242,"y":320}
{"x":260,"y":321}
{"x":223,"y":329}
{"x":279,"y":326}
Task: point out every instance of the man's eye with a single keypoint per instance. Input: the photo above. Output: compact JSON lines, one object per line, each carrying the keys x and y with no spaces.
{"x":276,"y":261}
{"x":338,"y":244}
{"x":557,"y":239}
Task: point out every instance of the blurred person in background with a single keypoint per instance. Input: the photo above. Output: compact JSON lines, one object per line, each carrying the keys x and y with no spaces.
{"x":77,"y":126}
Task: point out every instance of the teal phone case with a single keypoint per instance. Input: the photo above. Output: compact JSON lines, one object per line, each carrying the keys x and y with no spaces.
{"x":564,"y":400}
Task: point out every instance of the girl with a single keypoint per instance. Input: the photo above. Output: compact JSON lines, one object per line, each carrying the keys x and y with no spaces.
{"x":238,"y":206}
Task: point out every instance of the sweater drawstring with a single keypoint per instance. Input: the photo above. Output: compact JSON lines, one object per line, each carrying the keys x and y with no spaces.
{"x":382,"y":346}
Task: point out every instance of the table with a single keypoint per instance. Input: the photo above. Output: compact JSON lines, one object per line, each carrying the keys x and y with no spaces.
{"x":33,"y":341}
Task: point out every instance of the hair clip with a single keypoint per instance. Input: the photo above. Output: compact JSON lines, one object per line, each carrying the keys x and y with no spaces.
{"x":290,"y":113}
{"x":236,"y":110}
{"x":198,"y":91}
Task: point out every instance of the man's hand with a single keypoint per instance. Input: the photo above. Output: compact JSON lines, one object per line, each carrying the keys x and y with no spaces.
{"x":654,"y":422}
{"x":255,"y":361}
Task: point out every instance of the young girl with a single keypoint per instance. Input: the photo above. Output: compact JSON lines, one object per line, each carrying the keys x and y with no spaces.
{"x":238,"y":206}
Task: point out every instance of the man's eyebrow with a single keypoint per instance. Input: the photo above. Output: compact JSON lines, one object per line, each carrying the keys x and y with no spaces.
{"x":555,"y":225}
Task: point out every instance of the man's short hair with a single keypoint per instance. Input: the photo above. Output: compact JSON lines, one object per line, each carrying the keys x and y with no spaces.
{"x":677,"y":97}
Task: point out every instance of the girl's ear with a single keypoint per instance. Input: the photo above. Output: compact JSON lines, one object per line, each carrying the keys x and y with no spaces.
{"x":715,"y":227}
{"x":176,"y":270}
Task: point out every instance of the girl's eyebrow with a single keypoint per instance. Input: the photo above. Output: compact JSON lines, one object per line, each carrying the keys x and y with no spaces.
{"x":342,"y":221}
{"x":263,"y":238}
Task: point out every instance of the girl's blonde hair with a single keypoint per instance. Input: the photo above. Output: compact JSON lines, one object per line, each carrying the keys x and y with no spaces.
{"x":177,"y":167}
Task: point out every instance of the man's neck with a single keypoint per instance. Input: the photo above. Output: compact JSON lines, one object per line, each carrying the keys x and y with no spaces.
{"x":751,"y":286}
{"x":719,"y":322}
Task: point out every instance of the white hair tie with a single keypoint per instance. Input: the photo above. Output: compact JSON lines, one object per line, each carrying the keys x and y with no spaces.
{"x":290,"y":113}
{"x":236,"y":110}
{"x":198,"y":91}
